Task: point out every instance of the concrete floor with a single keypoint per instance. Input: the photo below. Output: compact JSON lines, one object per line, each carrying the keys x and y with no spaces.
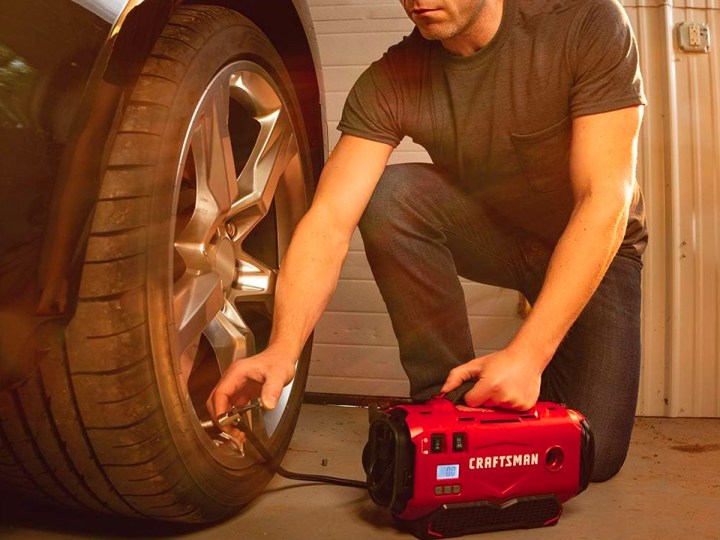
{"x":668,"y":489}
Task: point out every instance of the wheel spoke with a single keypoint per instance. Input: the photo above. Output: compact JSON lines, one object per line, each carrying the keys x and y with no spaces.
{"x":197,"y":299}
{"x":229,"y":336}
{"x":274,"y":149}
{"x":255,"y":282}
{"x":215,"y":175}
{"x":220,"y":166}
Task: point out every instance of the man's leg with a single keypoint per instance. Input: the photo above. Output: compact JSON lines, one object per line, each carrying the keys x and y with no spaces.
{"x":415,"y":223}
{"x":596,"y":369}
{"x":420,"y":231}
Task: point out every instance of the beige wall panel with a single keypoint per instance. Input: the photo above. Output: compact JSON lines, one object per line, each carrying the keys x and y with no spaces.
{"x":695,"y":385}
{"x":697,"y":4}
{"x":354,"y":11}
{"x":364,"y":27}
{"x":652,"y":175}
{"x":680,"y":173}
{"x":355,"y":49}
{"x":359,"y":361}
{"x":373,"y":329}
{"x":337,"y":78}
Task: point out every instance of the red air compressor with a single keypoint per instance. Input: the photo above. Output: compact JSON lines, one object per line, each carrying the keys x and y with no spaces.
{"x":449,"y":470}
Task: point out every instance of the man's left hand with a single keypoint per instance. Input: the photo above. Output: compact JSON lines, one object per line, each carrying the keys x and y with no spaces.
{"x":504,"y":379}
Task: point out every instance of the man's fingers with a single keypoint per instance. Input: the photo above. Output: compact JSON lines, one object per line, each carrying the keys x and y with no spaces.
{"x":225,"y":395}
{"x":217,"y":403}
{"x":271,"y":391}
{"x":479,"y":395}
{"x":238,"y":434}
{"x":245,"y":381}
{"x":455,"y":378}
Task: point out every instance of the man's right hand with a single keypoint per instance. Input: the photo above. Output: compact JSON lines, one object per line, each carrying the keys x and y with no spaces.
{"x":262,"y":375}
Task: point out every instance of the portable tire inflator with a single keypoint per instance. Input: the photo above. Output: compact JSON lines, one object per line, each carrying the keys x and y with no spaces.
{"x":448,"y":470}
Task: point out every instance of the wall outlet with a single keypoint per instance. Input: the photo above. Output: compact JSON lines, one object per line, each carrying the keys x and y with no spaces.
{"x":693,"y":37}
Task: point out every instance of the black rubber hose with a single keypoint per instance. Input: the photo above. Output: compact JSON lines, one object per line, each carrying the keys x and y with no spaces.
{"x":276,"y":468}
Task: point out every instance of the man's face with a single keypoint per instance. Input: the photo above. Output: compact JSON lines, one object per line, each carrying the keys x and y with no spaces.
{"x":443,"y":19}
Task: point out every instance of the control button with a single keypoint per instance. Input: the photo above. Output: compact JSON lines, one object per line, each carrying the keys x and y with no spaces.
{"x":438,"y":490}
{"x":456,"y":489}
{"x":447,"y":490}
{"x":458,"y":442}
{"x":437,"y":442}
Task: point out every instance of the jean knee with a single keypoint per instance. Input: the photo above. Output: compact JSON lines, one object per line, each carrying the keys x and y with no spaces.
{"x":398,"y":184}
{"x":605,"y":469}
{"x":609,"y":459}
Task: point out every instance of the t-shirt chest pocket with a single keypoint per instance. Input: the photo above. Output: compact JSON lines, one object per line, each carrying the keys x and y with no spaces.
{"x":544,"y":155}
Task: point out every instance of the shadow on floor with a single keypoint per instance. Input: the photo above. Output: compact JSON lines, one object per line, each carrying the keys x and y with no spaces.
{"x":23,"y":513}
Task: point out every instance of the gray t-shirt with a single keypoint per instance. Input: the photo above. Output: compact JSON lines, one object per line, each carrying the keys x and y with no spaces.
{"x":501,"y":119}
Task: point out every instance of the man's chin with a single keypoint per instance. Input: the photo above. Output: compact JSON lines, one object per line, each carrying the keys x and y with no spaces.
{"x":433,"y":33}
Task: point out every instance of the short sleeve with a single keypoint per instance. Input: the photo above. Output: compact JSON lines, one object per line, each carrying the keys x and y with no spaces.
{"x":371,"y":109}
{"x":604,"y":61}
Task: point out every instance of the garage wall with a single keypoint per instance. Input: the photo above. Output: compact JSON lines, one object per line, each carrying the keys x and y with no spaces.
{"x":680,"y":172}
{"x":355,"y":350}
{"x":693,"y":384}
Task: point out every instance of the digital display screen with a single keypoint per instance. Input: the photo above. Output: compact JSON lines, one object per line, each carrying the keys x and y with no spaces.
{"x":448,"y":472}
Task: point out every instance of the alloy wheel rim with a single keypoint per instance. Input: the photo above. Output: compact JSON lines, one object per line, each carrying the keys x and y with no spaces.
{"x":240,"y":191}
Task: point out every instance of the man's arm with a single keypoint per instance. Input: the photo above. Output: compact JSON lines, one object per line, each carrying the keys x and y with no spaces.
{"x":309,"y":273}
{"x":602,"y":167}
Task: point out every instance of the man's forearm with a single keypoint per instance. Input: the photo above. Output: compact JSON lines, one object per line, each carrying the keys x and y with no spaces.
{"x":602,"y":168}
{"x":311,"y":267}
{"x":307,"y":280}
{"x":578,"y":264}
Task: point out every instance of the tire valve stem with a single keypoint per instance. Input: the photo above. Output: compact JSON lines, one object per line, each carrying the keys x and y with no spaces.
{"x":236,"y":444}
{"x":232,"y":416}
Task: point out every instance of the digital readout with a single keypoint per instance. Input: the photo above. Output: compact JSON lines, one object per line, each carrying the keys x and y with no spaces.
{"x":448,"y":472}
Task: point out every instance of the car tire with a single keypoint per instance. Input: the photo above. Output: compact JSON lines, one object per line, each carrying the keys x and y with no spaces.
{"x":207,"y":174}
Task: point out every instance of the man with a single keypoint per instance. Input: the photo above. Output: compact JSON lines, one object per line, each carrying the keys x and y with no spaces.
{"x":530,"y":110}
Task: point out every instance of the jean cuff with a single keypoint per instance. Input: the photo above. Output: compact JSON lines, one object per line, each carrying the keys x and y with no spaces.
{"x":456,"y":396}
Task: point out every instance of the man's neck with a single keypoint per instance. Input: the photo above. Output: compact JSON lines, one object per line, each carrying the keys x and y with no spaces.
{"x":479,"y":33}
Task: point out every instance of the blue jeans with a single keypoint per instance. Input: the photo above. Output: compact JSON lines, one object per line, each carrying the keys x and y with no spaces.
{"x":421,"y":231}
